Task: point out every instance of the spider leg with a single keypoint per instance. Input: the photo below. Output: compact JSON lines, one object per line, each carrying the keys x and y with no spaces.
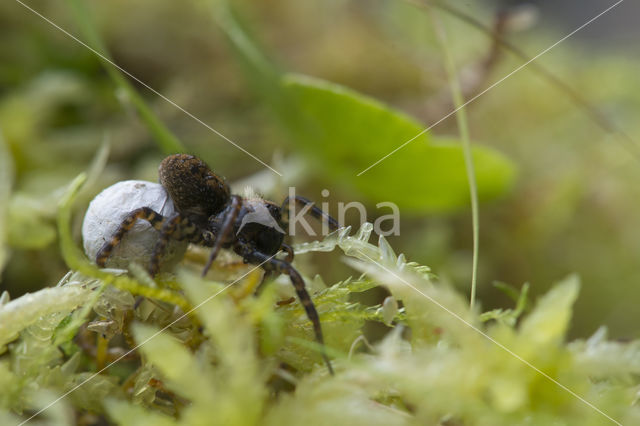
{"x":289,"y":250}
{"x":227,"y":227}
{"x":314,"y":211}
{"x":167,"y":231}
{"x":269,"y":273}
{"x":270,"y":263}
{"x":179,"y":228}
{"x":144,"y":213}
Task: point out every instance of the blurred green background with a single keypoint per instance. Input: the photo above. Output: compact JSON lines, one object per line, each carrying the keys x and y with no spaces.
{"x":564,"y":201}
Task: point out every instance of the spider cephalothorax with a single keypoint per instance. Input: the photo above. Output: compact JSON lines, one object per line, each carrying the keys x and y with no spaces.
{"x":208,"y":214}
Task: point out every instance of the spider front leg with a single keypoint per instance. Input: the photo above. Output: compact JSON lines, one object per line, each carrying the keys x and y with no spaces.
{"x":270,"y":263}
{"x":226,"y":228}
{"x":309,"y":207}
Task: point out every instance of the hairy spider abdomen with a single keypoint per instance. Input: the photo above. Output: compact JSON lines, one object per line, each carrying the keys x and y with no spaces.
{"x":196,"y":191}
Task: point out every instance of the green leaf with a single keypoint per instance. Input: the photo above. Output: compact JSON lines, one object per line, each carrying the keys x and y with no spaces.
{"x":346,"y":132}
{"x":343,"y":132}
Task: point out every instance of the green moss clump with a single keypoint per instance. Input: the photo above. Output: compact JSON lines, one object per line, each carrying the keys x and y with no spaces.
{"x":241,"y":360}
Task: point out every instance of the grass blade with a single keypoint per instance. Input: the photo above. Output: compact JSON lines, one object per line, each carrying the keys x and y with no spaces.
{"x":463,"y":126}
{"x":165,"y":139}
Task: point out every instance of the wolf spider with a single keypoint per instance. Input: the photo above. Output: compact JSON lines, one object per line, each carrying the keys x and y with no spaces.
{"x":209,"y":215}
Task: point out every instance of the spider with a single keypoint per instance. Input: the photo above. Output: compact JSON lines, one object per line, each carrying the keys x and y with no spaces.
{"x":209,"y":215}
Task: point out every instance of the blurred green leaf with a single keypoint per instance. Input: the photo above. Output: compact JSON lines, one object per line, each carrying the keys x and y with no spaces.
{"x":173,"y":360}
{"x":345,"y":132}
{"x":125,"y":413}
{"x":549,"y":321}
{"x":31,"y":227}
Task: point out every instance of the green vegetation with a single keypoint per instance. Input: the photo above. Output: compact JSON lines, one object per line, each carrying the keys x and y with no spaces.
{"x":321,"y":93}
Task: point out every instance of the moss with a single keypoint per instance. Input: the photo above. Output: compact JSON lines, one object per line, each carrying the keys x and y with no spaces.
{"x":240,"y":360}
{"x":104,"y":346}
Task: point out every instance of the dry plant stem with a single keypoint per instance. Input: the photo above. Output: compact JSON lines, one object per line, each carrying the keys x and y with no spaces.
{"x":461,"y":118}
